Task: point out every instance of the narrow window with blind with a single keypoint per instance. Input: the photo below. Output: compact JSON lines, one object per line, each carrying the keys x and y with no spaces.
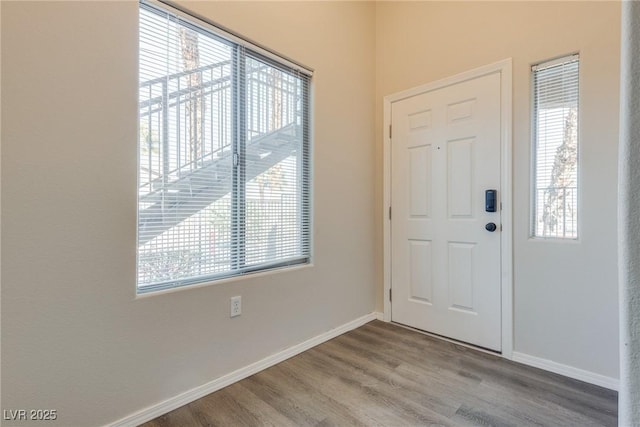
{"x":555,"y":141}
{"x":224,"y":154}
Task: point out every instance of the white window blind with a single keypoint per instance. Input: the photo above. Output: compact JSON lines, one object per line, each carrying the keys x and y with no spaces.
{"x":555,"y":138}
{"x":224,"y":154}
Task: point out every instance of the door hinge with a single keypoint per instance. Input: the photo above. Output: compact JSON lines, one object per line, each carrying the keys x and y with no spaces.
{"x":390,"y":295}
{"x":389,"y":131}
{"x":389,"y":213}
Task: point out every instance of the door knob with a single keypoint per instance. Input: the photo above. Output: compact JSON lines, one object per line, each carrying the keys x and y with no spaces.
{"x":491,"y":227}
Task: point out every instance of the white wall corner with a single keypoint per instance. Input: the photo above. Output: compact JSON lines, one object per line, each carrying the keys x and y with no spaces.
{"x":629,"y":217}
{"x":566,"y":370}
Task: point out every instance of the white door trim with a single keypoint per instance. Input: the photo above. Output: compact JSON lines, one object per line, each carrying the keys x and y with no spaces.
{"x":506,"y":256}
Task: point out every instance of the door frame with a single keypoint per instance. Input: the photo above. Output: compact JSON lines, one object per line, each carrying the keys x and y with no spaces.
{"x":504,"y":68}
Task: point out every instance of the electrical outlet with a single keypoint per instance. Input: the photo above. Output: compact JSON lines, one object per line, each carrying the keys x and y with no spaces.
{"x":236,"y":306}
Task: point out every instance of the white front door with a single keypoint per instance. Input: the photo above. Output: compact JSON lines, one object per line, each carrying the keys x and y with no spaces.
{"x":445,"y":264}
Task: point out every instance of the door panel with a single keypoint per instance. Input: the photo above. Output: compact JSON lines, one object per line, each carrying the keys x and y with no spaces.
{"x":445,"y":152}
{"x":420,"y":166}
{"x":420,"y":275}
{"x":461,"y":275}
{"x":460,"y":179}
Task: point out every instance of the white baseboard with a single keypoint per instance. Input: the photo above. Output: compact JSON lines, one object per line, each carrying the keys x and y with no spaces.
{"x":189,"y":396}
{"x":567,"y":371}
{"x":379,"y":315}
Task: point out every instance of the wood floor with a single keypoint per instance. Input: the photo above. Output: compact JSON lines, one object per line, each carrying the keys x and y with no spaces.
{"x":384,"y":375}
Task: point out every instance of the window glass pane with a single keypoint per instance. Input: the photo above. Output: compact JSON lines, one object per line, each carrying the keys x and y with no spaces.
{"x":185,"y":151}
{"x":223,"y":182}
{"x":556,"y":149}
{"x":274,"y":155}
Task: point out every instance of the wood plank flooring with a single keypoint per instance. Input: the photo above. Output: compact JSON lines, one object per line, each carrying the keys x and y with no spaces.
{"x":384,"y":375}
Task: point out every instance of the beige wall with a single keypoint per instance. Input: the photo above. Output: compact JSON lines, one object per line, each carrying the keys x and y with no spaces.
{"x":565,"y":293}
{"x":74,"y":337}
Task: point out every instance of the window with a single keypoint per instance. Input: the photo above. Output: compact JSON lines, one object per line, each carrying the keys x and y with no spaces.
{"x":224,"y":154}
{"x":555,"y":140}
